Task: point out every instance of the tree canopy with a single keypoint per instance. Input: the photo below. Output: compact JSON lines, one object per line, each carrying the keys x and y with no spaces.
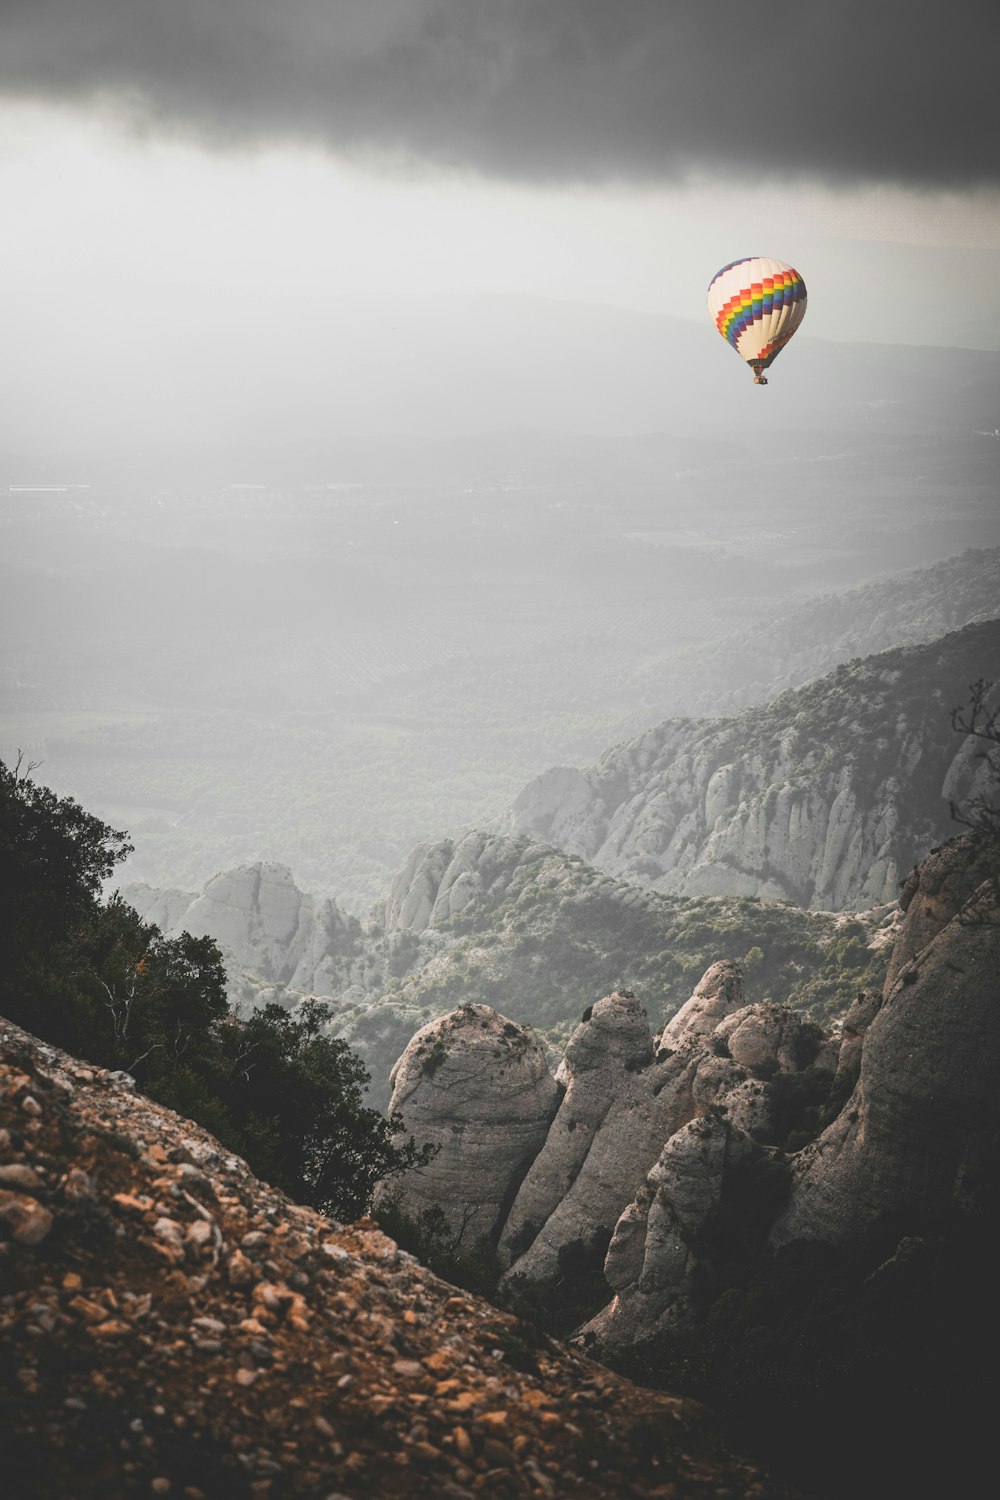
{"x":91,"y":976}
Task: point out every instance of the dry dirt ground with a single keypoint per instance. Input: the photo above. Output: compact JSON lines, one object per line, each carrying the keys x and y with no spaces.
{"x":170,"y":1325}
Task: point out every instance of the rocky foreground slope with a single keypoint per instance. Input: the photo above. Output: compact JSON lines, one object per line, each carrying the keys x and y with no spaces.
{"x":172,"y":1326}
{"x":824,"y":797}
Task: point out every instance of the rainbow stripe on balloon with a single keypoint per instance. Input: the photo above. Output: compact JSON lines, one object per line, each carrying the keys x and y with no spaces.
{"x":758,"y":300}
{"x":757,"y":304}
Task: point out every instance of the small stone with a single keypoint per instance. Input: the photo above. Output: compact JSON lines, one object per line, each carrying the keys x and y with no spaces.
{"x":169,"y":1231}
{"x":18,"y":1175}
{"x":246,"y":1377}
{"x":26,"y":1221}
{"x":31,"y":1106}
{"x":114,"y":1328}
{"x":137,"y":1203}
{"x":324,"y":1428}
{"x":78,"y":1187}
{"x":240,"y":1269}
{"x":209,"y":1325}
{"x":193,"y":1180}
{"x":410,"y":1369}
{"x":200,"y":1235}
{"x":160,"y":1486}
{"x":463,"y":1444}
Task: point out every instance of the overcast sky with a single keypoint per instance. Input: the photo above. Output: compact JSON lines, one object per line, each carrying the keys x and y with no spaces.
{"x":211,"y":183}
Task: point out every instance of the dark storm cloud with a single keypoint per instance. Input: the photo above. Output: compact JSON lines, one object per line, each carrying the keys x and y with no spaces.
{"x":882,"y":90}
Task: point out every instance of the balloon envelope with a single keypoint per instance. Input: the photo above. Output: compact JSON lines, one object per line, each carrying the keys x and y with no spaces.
{"x":757,"y":304}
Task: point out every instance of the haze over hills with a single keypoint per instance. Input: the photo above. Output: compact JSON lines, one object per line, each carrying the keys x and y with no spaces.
{"x":325,"y":677}
{"x":824,"y":798}
{"x":413,"y":387}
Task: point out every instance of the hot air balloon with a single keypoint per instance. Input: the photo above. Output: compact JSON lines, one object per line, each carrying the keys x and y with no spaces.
{"x":757,"y":304}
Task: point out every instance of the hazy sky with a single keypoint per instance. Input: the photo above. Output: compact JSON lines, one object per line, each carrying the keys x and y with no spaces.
{"x":203,"y":195}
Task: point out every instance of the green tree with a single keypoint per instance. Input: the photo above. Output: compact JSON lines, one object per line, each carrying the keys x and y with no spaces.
{"x":153,"y":1000}
{"x":295,"y":1097}
{"x":96,"y":979}
{"x":54,"y":858}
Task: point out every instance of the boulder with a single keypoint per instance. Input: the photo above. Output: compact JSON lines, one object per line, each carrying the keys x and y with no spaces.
{"x":477,"y":1088}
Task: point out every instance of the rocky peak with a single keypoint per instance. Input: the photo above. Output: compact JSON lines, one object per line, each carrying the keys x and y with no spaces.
{"x":263,"y":923}
{"x":438,"y":881}
{"x":718,"y":993}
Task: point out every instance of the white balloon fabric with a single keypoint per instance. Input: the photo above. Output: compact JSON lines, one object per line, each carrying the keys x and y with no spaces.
{"x":757,"y":304}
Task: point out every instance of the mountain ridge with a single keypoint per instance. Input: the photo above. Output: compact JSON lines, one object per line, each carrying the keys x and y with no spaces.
{"x":776,"y":802}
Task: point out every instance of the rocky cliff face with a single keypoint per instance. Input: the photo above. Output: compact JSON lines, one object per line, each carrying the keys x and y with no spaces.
{"x":262,"y":922}
{"x":666,"y":1151}
{"x":172,"y":1326}
{"x":920,"y":1130}
{"x":825,"y":797}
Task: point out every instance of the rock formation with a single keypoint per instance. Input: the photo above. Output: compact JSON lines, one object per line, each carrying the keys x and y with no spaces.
{"x":823,"y":797}
{"x":477,"y":1088}
{"x":624,"y":1096}
{"x":263,"y":923}
{"x":665,"y":1153}
{"x":172,"y":1326}
{"x":919,"y":1131}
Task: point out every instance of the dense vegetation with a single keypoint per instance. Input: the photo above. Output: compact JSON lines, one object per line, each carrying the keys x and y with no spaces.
{"x":562,"y":935}
{"x":97,"y":980}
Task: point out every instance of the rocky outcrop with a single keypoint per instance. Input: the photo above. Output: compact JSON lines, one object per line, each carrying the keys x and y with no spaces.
{"x":824,"y":797}
{"x":177,"y":1327}
{"x":550,"y":1200}
{"x":440,"y":880}
{"x":667,"y":1152}
{"x":658,"y":1248}
{"x":917,"y":1133}
{"x":611,"y":1115}
{"x":476,"y":1087}
{"x":933,"y":893}
{"x":718,"y":993}
{"x":264,"y":924}
{"x":629,"y":1112}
